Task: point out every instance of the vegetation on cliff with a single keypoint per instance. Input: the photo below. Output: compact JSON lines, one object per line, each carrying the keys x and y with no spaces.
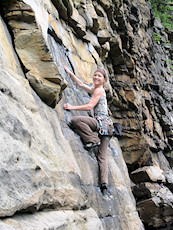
{"x":162,"y":10}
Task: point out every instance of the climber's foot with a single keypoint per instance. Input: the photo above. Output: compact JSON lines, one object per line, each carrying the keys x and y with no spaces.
{"x":104,"y":188}
{"x":91,"y":145}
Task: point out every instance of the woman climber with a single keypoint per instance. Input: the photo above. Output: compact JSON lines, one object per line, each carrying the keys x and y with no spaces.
{"x":86,"y":126}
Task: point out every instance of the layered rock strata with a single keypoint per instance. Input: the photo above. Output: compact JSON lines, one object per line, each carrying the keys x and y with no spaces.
{"x":33,"y":51}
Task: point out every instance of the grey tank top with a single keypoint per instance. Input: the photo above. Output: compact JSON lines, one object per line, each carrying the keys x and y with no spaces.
{"x":101,"y":110}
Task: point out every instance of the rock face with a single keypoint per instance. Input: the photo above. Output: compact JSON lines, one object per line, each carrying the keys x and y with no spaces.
{"x":40,"y":69}
{"x":47,"y":179}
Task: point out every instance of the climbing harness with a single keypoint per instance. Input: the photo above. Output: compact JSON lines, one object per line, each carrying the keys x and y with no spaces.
{"x":103,"y":129}
{"x":103,"y":124}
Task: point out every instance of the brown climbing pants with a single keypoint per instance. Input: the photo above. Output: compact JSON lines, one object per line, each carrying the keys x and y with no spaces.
{"x":87,"y":127}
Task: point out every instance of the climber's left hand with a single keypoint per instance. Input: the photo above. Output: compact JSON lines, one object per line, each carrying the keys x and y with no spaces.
{"x":67,"y":106}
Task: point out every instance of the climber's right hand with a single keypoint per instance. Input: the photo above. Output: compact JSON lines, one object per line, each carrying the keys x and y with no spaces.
{"x":67,"y":69}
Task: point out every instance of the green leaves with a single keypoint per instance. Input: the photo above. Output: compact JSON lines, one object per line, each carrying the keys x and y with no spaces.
{"x":162,"y":9}
{"x":157,"y":37}
{"x":169,"y":61}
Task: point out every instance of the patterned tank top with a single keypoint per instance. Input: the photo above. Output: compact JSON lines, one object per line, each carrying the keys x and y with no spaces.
{"x":101,"y":110}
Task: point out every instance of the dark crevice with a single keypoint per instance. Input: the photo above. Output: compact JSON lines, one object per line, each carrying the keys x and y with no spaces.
{"x":52,"y":32}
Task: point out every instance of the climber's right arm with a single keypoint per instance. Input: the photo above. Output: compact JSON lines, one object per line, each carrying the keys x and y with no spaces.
{"x":79,"y":82}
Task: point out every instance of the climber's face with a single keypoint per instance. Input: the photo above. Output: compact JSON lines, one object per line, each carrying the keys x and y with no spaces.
{"x":98,"y":79}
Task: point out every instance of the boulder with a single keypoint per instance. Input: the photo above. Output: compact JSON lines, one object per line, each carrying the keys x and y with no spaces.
{"x":88,"y":219}
{"x":148,"y":173}
{"x":152,"y":197}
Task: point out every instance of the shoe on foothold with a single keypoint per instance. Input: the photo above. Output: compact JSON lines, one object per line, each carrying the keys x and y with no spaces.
{"x":92,"y":145}
{"x":104,"y":188}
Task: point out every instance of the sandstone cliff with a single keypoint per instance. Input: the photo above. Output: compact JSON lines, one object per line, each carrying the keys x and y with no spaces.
{"x":47,"y":179}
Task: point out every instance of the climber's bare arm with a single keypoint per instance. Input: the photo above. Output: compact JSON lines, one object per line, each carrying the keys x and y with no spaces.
{"x":79,"y":82}
{"x":98,"y":93}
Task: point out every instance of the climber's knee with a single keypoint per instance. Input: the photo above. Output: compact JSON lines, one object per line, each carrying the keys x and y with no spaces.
{"x":74,"y":120}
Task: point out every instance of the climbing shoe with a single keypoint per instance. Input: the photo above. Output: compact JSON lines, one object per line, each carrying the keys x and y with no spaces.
{"x":91,"y":145}
{"x":104,"y":188}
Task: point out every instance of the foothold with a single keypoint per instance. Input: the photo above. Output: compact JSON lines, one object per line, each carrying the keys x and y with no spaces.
{"x":37,"y":168}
